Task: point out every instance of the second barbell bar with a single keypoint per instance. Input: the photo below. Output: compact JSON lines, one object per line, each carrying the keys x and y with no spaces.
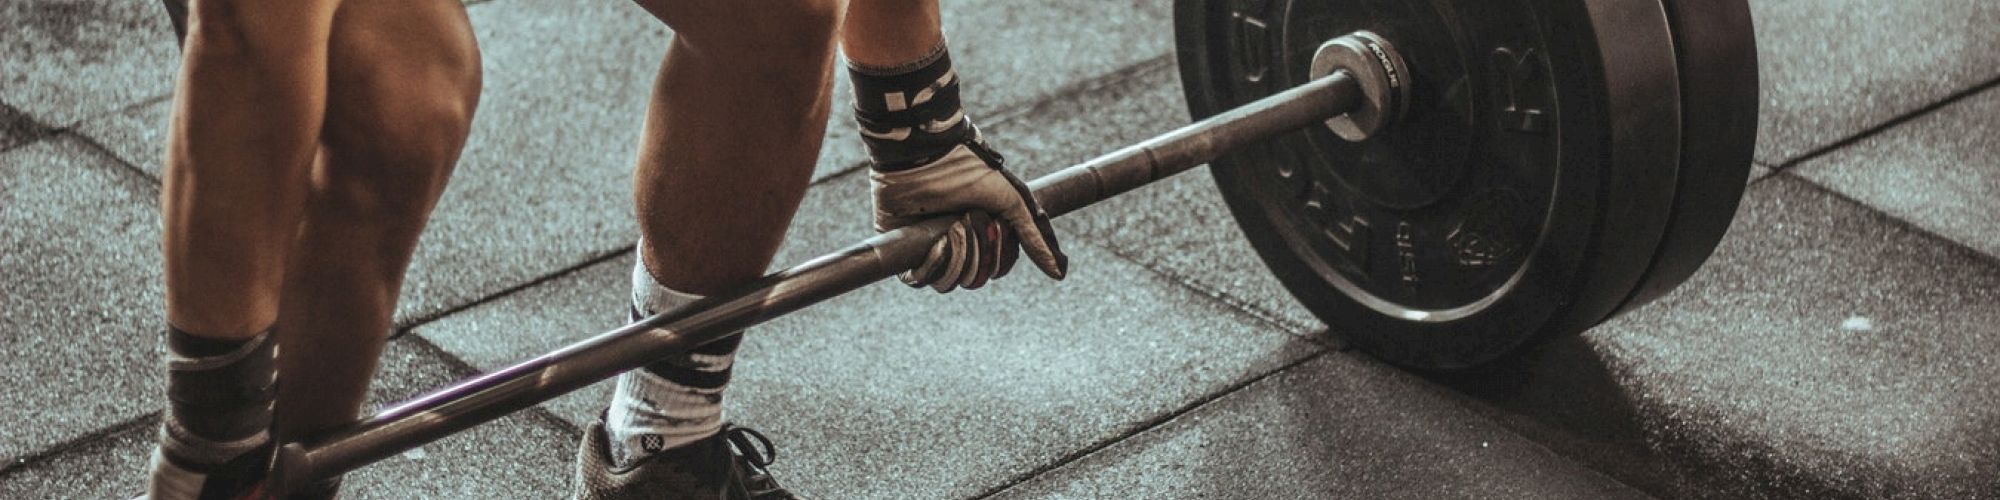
{"x":494,"y":395}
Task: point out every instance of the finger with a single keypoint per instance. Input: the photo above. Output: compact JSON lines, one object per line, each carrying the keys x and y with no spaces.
{"x":933,"y":265}
{"x":1036,"y":243}
{"x":987,"y":241}
{"x":972,"y":247}
{"x":996,"y":246}
{"x":955,"y":249}
{"x":1037,"y":236}
{"x":1010,"y":251}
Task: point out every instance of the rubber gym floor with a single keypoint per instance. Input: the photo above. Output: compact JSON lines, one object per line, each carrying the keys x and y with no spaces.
{"x":1841,"y":343}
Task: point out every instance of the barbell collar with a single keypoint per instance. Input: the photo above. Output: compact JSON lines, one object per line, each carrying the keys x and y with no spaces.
{"x":497,"y":394}
{"x":1384,"y":79}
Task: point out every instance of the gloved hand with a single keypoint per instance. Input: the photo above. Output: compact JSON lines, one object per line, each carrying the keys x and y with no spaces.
{"x":999,"y":218}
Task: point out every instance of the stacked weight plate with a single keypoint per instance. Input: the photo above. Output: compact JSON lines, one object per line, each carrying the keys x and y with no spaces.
{"x":1560,"y":162}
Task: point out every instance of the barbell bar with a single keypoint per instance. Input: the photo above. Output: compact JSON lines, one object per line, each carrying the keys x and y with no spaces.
{"x":499,"y":393}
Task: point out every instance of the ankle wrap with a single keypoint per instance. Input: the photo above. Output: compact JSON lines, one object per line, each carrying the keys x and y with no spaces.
{"x":219,"y":396}
{"x":704,"y":367}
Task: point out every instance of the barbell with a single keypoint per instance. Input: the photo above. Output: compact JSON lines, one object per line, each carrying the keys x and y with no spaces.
{"x":1443,"y":182}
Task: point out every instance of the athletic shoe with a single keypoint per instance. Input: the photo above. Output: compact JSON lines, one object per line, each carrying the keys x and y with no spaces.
{"x":726,"y":466}
{"x":238,"y":479}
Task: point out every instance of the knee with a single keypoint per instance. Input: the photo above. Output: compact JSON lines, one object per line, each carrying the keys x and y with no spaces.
{"x":395,"y":126}
{"x":393,"y":171}
{"x":757,"y":30}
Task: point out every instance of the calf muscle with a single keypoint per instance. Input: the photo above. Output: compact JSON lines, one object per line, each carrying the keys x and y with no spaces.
{"x":405,"y":79}
{"x":246,"y":116}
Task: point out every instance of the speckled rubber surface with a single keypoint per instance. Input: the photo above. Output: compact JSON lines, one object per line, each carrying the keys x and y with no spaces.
{"x":1839,"y":345}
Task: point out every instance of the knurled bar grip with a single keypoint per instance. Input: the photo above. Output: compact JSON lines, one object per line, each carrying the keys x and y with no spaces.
{"x":493,"y":395}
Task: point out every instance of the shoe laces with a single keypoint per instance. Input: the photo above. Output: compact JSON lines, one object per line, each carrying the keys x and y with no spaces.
{"x":755,"y":458}
{"x":747,"y":443}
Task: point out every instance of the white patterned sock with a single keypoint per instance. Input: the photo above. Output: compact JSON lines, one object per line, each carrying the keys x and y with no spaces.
{"x":672,"y":402}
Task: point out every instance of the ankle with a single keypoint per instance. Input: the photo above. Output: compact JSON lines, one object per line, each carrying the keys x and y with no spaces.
{"x":650,"y":414}
{"x":215,"y":435}
{"x":674,"y":401}
{"x":220,"y":395}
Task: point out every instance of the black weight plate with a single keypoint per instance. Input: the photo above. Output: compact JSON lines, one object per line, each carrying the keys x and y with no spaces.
{"x":1717,"y":48}
{"x":1524,"y":194}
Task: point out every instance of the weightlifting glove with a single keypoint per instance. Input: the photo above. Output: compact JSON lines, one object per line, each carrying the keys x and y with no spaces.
{"x":998,"y":217}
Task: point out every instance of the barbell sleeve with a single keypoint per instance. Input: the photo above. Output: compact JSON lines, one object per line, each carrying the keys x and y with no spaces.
{"x":1198,"y":143}
{"x":496,"y":394}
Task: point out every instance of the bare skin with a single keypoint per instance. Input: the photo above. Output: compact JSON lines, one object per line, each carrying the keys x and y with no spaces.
{"x":885,"y":33}
{"x":273,"y":219}
{"x":737,"y":117}
{"x":246,"y":124}
{"x":281,"y":208}
{"x":722,"y":168}
{"x":406,"y":77}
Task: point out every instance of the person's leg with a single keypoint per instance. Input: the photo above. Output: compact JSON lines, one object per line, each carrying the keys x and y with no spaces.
{"x":738,"y":112}
{"x":890,"y":33}
{"x":734,"y":128}
{"x":404,"y":79}
{"x":246,"y":115}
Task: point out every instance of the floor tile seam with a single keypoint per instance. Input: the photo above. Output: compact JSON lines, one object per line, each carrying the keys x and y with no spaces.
{"x":75,"y":130}
{"x":36,"y":131}
{"x":1620,"y":487}
{"x":1769,"y":171}
{"x":29,"y":460}
{"x":1502,"y":419}
{"x":1225,"y":299}
{"x":17,"y":111}
{"x":26,"y":141}
{"x":1884,"y":126}
{"x":101,"y":149}
{"x":128,"y":107}
{"x":1144,"y":426}
{"x":1602,"y":472}
{"x":1896,"y":222}
{"x":462,"y":369}
{"x":94,"y":147}
{"x":404,"y":328}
